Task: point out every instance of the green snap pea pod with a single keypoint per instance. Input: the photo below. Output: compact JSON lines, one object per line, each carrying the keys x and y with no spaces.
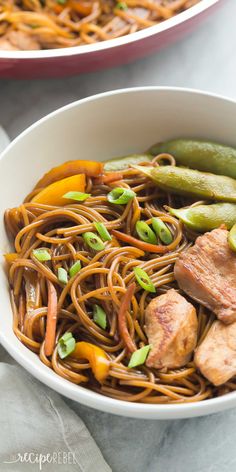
{"x":120,"y":163}
{"x":182,"y":181}
{"x":201,"y":155}
{"x":203,"y":218}
{"x":232,"y":238}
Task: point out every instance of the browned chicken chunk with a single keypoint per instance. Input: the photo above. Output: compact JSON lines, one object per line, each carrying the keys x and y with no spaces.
{"x":207,"y":273}
{"x":216,"y":356}
{"x":171,"y":328}
{"x":18,"y":40}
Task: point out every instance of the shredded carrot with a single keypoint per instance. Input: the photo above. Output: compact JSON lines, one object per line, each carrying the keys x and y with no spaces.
{"x":111,"y":177}
{"x":129,"y":343}
{"x":140,"y":244}
{"x":51,"y":319}
{"x":22,"y":309}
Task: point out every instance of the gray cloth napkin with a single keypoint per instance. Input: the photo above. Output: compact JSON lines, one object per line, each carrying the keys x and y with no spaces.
{"x":38,"y":431}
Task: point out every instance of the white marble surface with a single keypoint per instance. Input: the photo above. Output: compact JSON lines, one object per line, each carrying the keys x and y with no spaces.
{"x":205,"y":60}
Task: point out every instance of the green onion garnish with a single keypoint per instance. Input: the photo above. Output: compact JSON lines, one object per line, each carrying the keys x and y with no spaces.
{"x":139,"y":357}
{"x":232,"y":238}
{"x":162,"y":231}
{"x":42,"y":255}
{"x":93,"y":241}
{"x":66,"y":345}
{"x":121,"y":6}
{"x":102,"y":231}
{"x":61,"y":2}
{"x":62,"y":275}
{"x":78,"y":196}
{"x":99,"y":316}
{"x":144,"y":280}
{"x":120,"y":196}
{"x":75,"y":268}
{"x":145,"y":232}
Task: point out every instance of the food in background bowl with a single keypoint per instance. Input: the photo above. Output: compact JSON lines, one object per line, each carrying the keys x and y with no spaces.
{"x":28,"y":25}
{"x":123,"y":279}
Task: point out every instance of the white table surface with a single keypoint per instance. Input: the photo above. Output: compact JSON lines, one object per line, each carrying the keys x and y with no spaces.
{"x":205,"y":60}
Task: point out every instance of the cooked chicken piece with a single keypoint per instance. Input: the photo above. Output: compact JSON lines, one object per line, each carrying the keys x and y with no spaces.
{"x":18,"y":40}
{"x":171,"y":328}
{"x":216,"y":356}
{"x":207,"y":273}
{"x":5,"y":45}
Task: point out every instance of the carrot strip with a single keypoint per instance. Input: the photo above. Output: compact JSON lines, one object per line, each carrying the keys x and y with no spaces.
{"x":140,"y":244}
{"x":51,"y":320}
{"x":129,"y":343}
{"x":111,"y":177}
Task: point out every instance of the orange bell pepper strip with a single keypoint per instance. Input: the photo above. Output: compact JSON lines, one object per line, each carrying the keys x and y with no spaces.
{"x":89,"y":168}
{"x":96,"y":356}
{"x":10,"y":257}
{"x":53,"y":194}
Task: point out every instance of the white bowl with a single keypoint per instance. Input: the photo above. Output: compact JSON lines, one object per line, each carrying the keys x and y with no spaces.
{"x":97,"y":128}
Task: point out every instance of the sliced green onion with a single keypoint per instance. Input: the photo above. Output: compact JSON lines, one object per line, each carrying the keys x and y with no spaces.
{"x":120,"y":196}
{"x":162,"y":231}
{"x":61,"y":2}
{"x":78,"y":196}
{"x":144,"y":280}
{"x":145,"y":232}
{"x":139,"y":357}
{"x":232,"y":238}
{"x":75,"y":268}
{"x":121,"y":6}
{"x":62,"y":275}
{"x":66,"y":345}
{"x":42,"y":255}
{"x":93,"y":241}
{"x":102,"y":231}
{"x":99,"y":316}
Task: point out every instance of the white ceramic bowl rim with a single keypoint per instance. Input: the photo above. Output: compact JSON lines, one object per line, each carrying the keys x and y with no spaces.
{"x":88,"y":397}
{"x":112,"y":43}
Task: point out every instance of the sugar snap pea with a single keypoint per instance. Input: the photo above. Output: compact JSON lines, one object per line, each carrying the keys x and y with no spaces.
{"x":203,"y":218}
{"x":121,"y":163}
{"x":201,"y":155}
{"x":183,"y":181}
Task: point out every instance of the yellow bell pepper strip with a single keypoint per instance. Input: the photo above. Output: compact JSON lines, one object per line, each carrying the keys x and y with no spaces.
{"x":96,"y":356}
{"x":53,"y":194}
{"x":89,"y":168}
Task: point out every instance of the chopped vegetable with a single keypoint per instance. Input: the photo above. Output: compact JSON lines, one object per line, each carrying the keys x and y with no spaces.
{"x":50,"y":335}
{"x":201,"y":155}
{"x":99,"y":316}
{"x":232,"y":238}
{"x":145,"y":232}
{"x":93,"y":241}
{"x":120,"y":163}
{"x":97,"y":358}
{"x":75,"y":268}
{"x":144,"y":280}
{"x":78,"y":196}
{"x":102,"y":231}
{"x":61,"y":2}
{"x":182,"y":181}
{"x":110,"y":177}
{"x":121,"y":6}
{"x":66,"y":345}
{"x":10,"y":257}
{"x":139,"y":357}
{"x":162,"y":231}
{"x":120,"y":196}
{"x":203,"y":218}
{"x":62,"y":275}
{"x":42,"y":255}
{"x":140,"y":244}
{"x":68,"y":169}
{"x":53,"y":194}
{"x":124,"y":333}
